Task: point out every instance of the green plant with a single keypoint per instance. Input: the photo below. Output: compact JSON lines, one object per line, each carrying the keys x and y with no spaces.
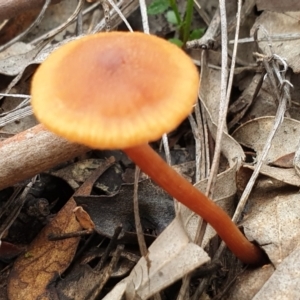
{"x":183,"y":24}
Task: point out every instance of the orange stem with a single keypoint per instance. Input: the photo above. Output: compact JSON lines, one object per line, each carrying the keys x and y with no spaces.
{"x":166,"y":177}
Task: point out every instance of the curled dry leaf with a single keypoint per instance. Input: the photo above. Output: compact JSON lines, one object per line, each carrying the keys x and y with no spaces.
{"x":9,"y":250}
{"x":16,"y":25}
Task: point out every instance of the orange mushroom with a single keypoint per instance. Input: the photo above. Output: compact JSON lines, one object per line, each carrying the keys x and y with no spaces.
{"x":119,"y":91}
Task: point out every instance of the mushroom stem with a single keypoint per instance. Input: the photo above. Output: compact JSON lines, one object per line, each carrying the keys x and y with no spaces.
{"x":166,"y":177}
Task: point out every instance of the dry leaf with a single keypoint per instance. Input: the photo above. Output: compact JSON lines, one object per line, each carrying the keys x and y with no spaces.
{"x":16,"y":58}
{"x":253,"y":134}
{"x":249,"y":283}
{"x":285,"y":24}
{"x":273,"y":218}
{"x":171,"y":256}
{"x":285,"y":161}
{"x":210,"y":87}
{"x":44,"y":259}
{"x":285,"y":281}
{"x":289,"y":176}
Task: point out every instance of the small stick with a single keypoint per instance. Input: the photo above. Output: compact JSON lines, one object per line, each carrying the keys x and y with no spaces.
{"x":31,"y":152}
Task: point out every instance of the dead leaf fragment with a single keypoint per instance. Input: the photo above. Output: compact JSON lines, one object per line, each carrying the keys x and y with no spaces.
{"x":289,"y":176}
{"x":273,"y":219}
{"x":285,"y":281}
{"x":285,"y":24}
{"x":253,"y":134}
{"x":44,"y":259}
{"x":250,"y":282}
{"x":285,"y":161}
{"x":83,"y":218}
{"x":172,"y":255}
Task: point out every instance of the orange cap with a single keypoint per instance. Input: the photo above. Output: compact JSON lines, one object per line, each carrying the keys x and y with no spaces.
{"x":114,"y":90}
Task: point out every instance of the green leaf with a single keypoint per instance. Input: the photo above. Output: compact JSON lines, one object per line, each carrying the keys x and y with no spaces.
{"x":196,"y":34}
{"x":171,"y":17}
{"x":177,"y":42}
{"x":157,"y":7}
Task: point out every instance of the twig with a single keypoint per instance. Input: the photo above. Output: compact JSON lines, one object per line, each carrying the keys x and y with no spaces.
{"x":198,"y":147}
{"x":144,"y":14}
{"x":31,"y":152}
{"x":49,"y":35}
{"x":106,"y":273}
{"x":200,"y":118}
{"x":137,"y":219}
{"x":245,"y":10}
{"x":138,"y":225}
{"x":280,"y":37}
{"x":202,"y":13}
{"x":120,"y":14}
{"x":208,"y":39}
{"x":15,"y":209}
{"x":223,"y":101}
{"x":111,"y":245}
{"x":117,"y":17}
{"x":79,"y":24}
{"x":105,"y":8}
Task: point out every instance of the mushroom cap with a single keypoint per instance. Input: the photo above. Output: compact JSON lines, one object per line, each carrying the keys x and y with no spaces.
{"x":114,"y":90}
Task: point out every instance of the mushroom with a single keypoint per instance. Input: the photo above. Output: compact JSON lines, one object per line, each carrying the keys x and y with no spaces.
{"x":122,"y":90}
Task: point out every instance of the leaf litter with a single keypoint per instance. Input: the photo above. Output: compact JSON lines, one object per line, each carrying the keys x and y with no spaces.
{"x":270,"y":217}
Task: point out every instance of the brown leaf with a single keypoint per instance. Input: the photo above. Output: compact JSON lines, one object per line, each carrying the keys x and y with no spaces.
{"x":45,"y":259}
{"x":285,"y":161}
